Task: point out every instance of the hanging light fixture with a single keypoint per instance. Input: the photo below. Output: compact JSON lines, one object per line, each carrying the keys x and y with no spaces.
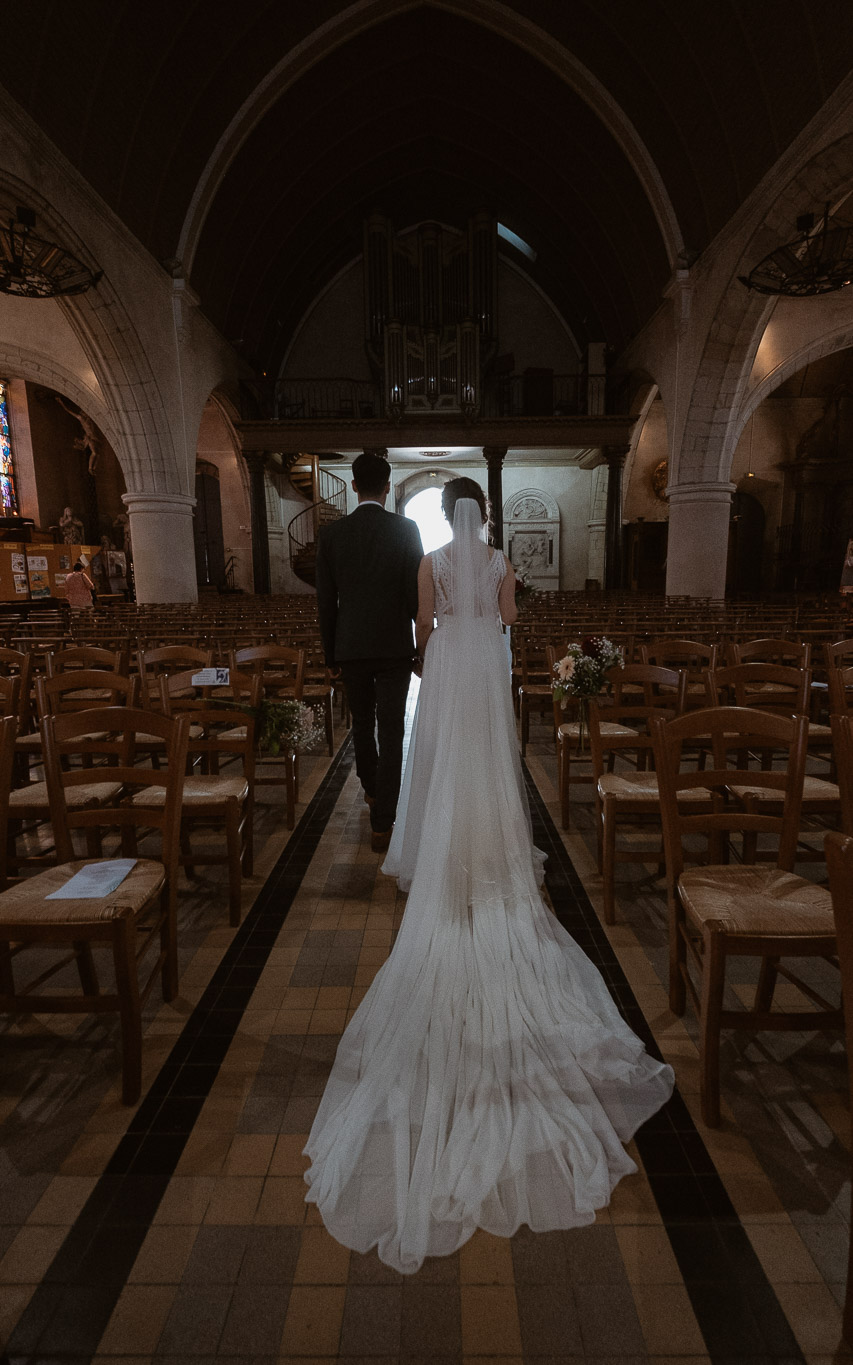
{"x":818,"y":262}
{"x":33,"y":268}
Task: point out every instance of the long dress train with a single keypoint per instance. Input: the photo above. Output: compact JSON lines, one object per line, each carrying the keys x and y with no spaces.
{"x":487,"y":1079}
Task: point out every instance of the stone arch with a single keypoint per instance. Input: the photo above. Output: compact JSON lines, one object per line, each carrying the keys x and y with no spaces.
{"x":132,"y":412}
{"x":19,"y":363}
{"x":412,"y":484}
{"x":504,"y":21}
{"x":639,"y":406}
{"x":217,"y":442}
{"x":713,"y":420}
{"x":838,"y":339}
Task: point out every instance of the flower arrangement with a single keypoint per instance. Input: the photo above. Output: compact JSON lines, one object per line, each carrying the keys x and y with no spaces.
{"x":582,"y":673}
{"x":287,"y":724}
{"x":524,"y":589}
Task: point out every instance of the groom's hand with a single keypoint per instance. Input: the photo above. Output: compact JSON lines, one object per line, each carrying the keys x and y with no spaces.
{"x":417,"y":665}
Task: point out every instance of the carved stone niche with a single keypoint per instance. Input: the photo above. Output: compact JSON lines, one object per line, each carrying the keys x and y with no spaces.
{"x":532,"y":529}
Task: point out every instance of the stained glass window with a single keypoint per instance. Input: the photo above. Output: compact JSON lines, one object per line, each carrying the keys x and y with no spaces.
{"x":8,"y":496}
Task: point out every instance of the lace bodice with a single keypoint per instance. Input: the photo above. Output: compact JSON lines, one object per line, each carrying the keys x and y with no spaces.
{"x":441,"y":578}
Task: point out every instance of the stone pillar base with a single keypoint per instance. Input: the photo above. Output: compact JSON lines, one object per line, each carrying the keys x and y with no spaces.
{"x":698,"y":539}
{"x":161,"y":531}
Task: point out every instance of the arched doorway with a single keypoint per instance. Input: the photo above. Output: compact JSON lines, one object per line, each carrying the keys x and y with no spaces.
{"x":425,"y":510}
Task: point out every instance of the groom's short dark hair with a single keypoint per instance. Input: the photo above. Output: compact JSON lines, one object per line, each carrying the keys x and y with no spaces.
{"x":371,"y":473}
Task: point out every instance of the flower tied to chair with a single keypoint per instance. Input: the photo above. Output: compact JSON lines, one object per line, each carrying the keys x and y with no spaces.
{"x":582,"y":674}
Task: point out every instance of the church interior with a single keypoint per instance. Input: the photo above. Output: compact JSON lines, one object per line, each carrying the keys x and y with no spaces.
{"x":595,"y":257}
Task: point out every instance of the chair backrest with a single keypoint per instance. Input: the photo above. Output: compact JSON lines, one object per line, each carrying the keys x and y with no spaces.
{"x":771,"y":651}
{"x":281,"y":667}
{"x":729,"y":733}
{"x":220,"y":725}
{"x":693,"y":655}
{"x":152,"y":663}
{"x":8,"y":731}
{"x":10,"y":697}
{"x":646,"y":692}
{"x":842,"y":748}
{"x":839,"y":862}
{"x":839,"y":654}
{"x":768,"y":687}
{"x":86,"y":657}
{"x":17,"y":663}
{"x":840,"y":684}
{"x":111,"y":733}
{"x":83,"y":690}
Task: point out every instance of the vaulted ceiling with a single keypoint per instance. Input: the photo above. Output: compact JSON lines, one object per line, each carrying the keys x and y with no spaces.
{"x":251,"y":139}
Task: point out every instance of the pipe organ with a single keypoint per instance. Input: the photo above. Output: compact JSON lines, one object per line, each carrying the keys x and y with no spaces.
{"x":430,"y":314}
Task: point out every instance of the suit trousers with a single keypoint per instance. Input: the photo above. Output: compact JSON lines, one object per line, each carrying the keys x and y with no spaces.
{"x":377,"y":691}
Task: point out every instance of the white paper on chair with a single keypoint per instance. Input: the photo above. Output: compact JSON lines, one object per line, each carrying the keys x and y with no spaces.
{"x":211,"y":677}
{"x":94,"y":880}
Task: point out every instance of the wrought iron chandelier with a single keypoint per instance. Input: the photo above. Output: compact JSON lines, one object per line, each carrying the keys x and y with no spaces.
{"x":816,"y":263}
{"x":33,"y":268}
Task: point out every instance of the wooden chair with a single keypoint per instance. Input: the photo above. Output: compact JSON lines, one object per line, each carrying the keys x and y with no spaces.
{"x":691,"y":657}
{"x":839,"y":861}
{"x":280,"y":667}
{"x":737,"y":909}
{"x":83,"y":690}
{"x":219,"y":732}
{"x":87,"y":657}
{"x":571,"y":747}
{"x":840,"y":685}
{"x":8,"y":730}
{"x":782,"y":690}
{"x":535,"y":690}
{"x":141,"y":912}
{"x":617,"y":730}
{"x":318,"y":691}
{"x":153,"y":663}
{"x":793,"y":653}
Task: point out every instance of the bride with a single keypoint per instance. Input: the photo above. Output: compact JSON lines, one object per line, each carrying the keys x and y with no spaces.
{"x":487,"y":1079}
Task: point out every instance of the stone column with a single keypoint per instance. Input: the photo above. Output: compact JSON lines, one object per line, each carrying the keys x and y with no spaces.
{"x":256,"y":461}
{"x":698,"y":539}
{"x":615,"y":456}
{"x":494,"y":457}
{"x":161,"y":532}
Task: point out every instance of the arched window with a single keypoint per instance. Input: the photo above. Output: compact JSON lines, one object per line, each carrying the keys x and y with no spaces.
{"x":8,"y":494}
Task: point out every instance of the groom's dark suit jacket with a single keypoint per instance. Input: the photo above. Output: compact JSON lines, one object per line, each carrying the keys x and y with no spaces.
{"x":367,"y":585}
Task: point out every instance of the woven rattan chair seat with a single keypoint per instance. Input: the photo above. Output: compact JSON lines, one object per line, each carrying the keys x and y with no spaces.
{"x":814,"y":789}
{"x":642,"y":787}
{"x":756,"y":900}
{"x":198,"y":791}
{"x":91,"y":794}
{"x":26,"y":903}
{"x":572,"y":729}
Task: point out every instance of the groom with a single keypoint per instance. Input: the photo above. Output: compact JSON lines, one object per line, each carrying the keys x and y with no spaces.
{"x":367,"y":598}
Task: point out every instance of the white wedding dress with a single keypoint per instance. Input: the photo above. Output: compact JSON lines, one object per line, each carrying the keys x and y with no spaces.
{"x":487,"y":1079}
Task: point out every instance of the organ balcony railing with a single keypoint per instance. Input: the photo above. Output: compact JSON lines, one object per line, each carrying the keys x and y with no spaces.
{"x":536,"y":393}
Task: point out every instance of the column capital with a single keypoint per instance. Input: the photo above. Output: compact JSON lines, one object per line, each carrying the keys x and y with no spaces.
{"x":255,"y":459}
{"x":494,"y":455}
{"x":381,"y":451}
{"x":612,"y":454}
{"x":159,"y":502}
{"x":717,"y":491}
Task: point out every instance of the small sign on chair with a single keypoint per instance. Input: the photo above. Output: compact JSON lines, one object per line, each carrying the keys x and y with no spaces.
{"x":212,"y":677}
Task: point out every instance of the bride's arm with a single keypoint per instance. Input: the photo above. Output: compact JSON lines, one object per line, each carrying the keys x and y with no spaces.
{"x":425,"y":623}
{"x":506,"y":596}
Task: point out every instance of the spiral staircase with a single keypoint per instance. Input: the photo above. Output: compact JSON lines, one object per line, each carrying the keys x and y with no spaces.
{"x":328,"y":502}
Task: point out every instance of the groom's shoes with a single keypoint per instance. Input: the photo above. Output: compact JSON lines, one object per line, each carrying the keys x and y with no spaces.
{"x":380,"y":839}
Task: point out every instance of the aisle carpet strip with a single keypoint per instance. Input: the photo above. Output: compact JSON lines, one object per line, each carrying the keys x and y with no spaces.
{"x":69,"y":1312}
{"x":737,"y":1310}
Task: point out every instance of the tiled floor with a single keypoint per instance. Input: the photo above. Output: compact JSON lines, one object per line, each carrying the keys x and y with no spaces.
{"x":178,"y":1231}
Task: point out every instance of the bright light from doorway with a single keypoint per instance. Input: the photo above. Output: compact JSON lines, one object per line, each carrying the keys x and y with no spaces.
{"x":425,"y":510}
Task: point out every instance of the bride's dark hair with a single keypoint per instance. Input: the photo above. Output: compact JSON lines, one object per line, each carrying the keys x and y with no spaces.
{"x":455,"y":489}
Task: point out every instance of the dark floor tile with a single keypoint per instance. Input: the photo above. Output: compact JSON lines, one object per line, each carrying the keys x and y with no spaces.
{"x":271,"y":1255}
{"x":255,"y":1320}
{"x":548,"y":1319}
{"x":372,"y":1320}
{"x":593,"y":1255}
{"x":195,"y":1321}
{"x":217,"y":1255}
{"x":609,"y":1323}
{"x":539,"y":1258}
{"x":20,"y":1194}
{"x":299,"y":1115}
{"x":79,"y":1320}
{"x":265,"y":1115}
{"x":728,"y":1326}
{"x":432,"y":1322}
{"x":368,"y":1269}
